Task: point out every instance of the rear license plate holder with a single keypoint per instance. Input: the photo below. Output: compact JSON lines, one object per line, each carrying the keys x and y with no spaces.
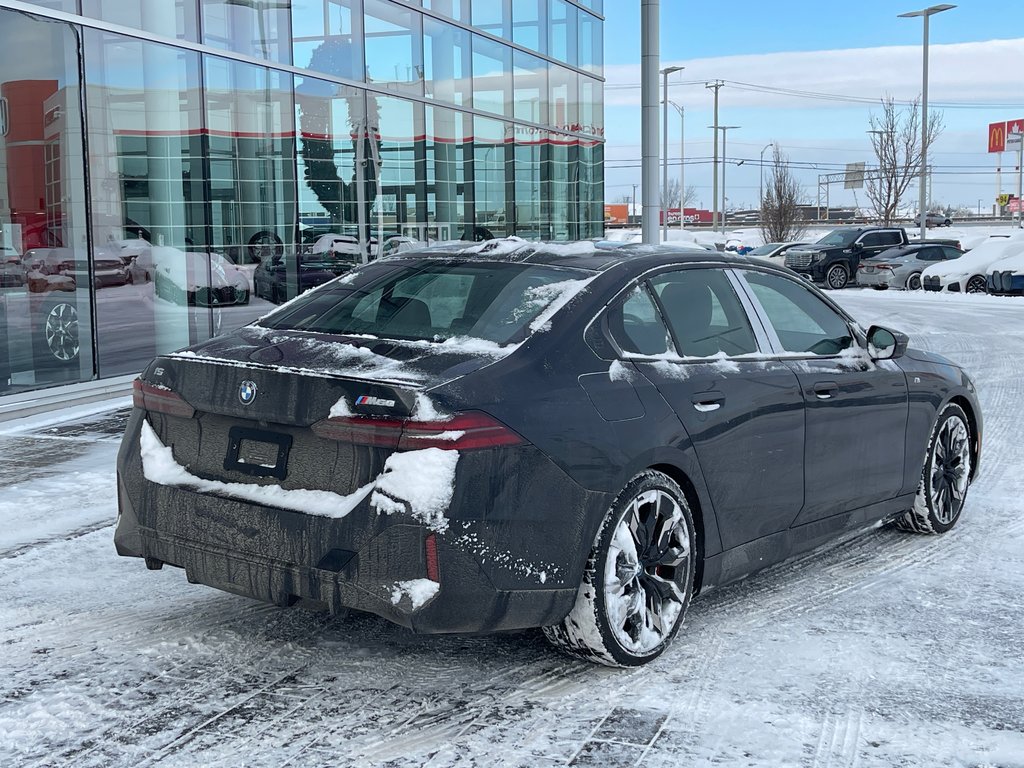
{"x":258,"y":452}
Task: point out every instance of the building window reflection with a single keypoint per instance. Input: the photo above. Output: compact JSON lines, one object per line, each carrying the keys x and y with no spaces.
{"x":45,"y":266}
{"x":220,"y":186}
{"x":259,"y":28}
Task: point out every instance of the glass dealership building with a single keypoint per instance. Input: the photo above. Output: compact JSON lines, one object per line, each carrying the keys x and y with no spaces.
{"x":169,"y":169}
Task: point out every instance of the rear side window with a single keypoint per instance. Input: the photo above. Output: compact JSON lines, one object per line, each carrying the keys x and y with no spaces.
{"x":951,"y":253}
{"x":932,"y":253}
{"x":802,"y":321}
{"x":704,"y":313}
{"x":636,"y":325}
{"x":434,"y":301}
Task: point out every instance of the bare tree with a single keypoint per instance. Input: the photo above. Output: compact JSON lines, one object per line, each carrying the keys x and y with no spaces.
{"x":782,"y":218}
{"x":626,"y":199}
{"x":896,"y":140}
{"x":673,"y":195}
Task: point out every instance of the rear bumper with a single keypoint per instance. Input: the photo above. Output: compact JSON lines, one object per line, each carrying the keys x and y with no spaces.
{"x":888,"y":279}
{"x":513,"y":561}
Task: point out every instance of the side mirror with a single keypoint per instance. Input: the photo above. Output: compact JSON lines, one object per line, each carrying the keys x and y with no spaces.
{"x":884,"y":344}
{"x":857,"y":247}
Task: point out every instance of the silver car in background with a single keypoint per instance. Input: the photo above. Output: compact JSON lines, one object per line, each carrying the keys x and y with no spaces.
{"x":901,"y":267}
{"x":774,"y":252}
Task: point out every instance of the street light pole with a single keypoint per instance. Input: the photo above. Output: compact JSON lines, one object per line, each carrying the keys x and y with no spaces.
{"x":664,"y":154}
{"x":714,"y":168}
{"x":649,"y":54}
{"x":724,"y":129}
{"x":925,"y":13}
{"x":760,"y":186}
{"x":682,"y":165}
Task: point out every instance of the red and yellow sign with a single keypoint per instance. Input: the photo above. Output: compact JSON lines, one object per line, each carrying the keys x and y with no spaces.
{"x":997,"y":137}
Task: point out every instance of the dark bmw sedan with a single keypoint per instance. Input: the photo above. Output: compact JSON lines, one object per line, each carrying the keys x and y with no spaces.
{"x":513,"y":435}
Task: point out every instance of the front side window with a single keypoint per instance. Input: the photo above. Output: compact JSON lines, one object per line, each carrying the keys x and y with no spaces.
{"x":802,"y":321}
{"x":839,"y":237}
{"x":704,"y":313}
{"x":435,"y":301}
{"x":933,"y":253}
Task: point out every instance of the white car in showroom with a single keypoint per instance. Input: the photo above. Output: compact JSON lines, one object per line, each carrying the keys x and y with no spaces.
{"x":968,"y":274}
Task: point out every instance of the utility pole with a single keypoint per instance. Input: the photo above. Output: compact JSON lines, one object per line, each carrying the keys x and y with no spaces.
{"x":714,"y":184}
{"x":682,"y":165}
{"x":632,"y":210}
{"x":649,"y":54}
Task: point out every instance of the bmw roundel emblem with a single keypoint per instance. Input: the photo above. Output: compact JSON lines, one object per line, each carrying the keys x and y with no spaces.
{"x":247,"y":392}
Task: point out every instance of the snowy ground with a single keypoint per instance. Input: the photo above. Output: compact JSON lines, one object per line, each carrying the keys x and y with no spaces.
{"x":885,"y":650}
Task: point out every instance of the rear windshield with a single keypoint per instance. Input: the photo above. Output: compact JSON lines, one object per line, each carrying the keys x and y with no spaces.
{"x":435,"y":301}
{"x":766,"y":249}
{"x":839,"y":237}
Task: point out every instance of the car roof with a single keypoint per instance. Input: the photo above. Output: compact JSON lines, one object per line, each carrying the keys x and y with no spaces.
{"x":587,"y":255}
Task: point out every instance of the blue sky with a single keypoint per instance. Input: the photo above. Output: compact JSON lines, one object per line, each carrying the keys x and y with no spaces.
{"x":856,"y":48}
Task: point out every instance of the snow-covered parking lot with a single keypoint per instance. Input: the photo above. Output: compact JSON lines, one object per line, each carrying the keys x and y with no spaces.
{"x":884,"y":650}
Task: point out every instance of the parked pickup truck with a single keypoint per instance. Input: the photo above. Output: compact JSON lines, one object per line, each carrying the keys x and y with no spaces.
{"x":833,"y":260}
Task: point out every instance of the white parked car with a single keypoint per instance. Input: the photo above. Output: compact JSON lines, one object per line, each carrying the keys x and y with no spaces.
{"x":1006,"y":276}
{"x":968,"y":274}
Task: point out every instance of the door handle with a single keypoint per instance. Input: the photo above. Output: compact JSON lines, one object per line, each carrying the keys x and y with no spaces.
{"x":706,"y":402}
{"x":824,"y":390}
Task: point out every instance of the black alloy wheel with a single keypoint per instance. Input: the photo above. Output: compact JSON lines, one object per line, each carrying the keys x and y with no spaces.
{"x":977,"y":285}
{"x":836,"y":277}
{"x":945,"y":476}
{"x":638,"y":580}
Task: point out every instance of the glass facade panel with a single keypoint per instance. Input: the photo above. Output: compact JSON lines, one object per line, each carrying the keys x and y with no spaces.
{"x":45,"y":265}
{"x":591,"y":44}
{"x":562,"y":31}
{"x":399,"y":207}
{"x":148,"y":191}
{"x":171,"y":18}
{"x":529,"y":25}
{"x":530,"y":80}
{"x":328,"y":37}
{"x":562,"y":186}
{"x":251,"y":146}
{"x":68,"y":6}
{"x":494,"y":16}
{"x":332,"y":129}
{"x":448,"y":154}
{"x":447,"y":62}
{"x":453,"y":9}
{"x":394,"y":53}
{"x":528,"y":176}
{"x":564,"y":101}
{"x":492,"y":76}
{"x":492,"y":163}
{"x":259,"y":28}
{"x":220,"y":187}
{"x":591,"y":188}
{"x":591,"y":105}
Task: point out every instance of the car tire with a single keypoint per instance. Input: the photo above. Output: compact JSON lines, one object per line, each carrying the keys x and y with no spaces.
{"x":264,"y":244}
{"x":837,"y":277}
{"x":638,"y":579}
{"x":945,"y":476}
{"x":914,"y":282}
{"x":976,"y":285}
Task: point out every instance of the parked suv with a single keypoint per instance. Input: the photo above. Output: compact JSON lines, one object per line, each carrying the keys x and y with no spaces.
{"x":834,"y":259}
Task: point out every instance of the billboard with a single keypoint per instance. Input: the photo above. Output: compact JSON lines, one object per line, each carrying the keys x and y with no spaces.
{"x":997,"y":137}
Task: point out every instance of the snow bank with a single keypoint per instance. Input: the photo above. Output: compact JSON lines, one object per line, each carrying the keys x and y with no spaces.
{"x":159,"y":466}
{"x":417,"y":483}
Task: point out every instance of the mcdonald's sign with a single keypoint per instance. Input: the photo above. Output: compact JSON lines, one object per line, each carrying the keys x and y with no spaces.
{"x":997,"y":137}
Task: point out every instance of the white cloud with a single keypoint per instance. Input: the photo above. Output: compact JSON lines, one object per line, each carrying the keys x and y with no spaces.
{"x":978,"y":72}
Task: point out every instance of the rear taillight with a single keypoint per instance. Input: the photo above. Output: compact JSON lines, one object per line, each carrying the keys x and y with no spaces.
{"x":884,"y":266}
{"x":463,"y":432}
{"x":159,"y":399}
{"x":430,"y":550}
